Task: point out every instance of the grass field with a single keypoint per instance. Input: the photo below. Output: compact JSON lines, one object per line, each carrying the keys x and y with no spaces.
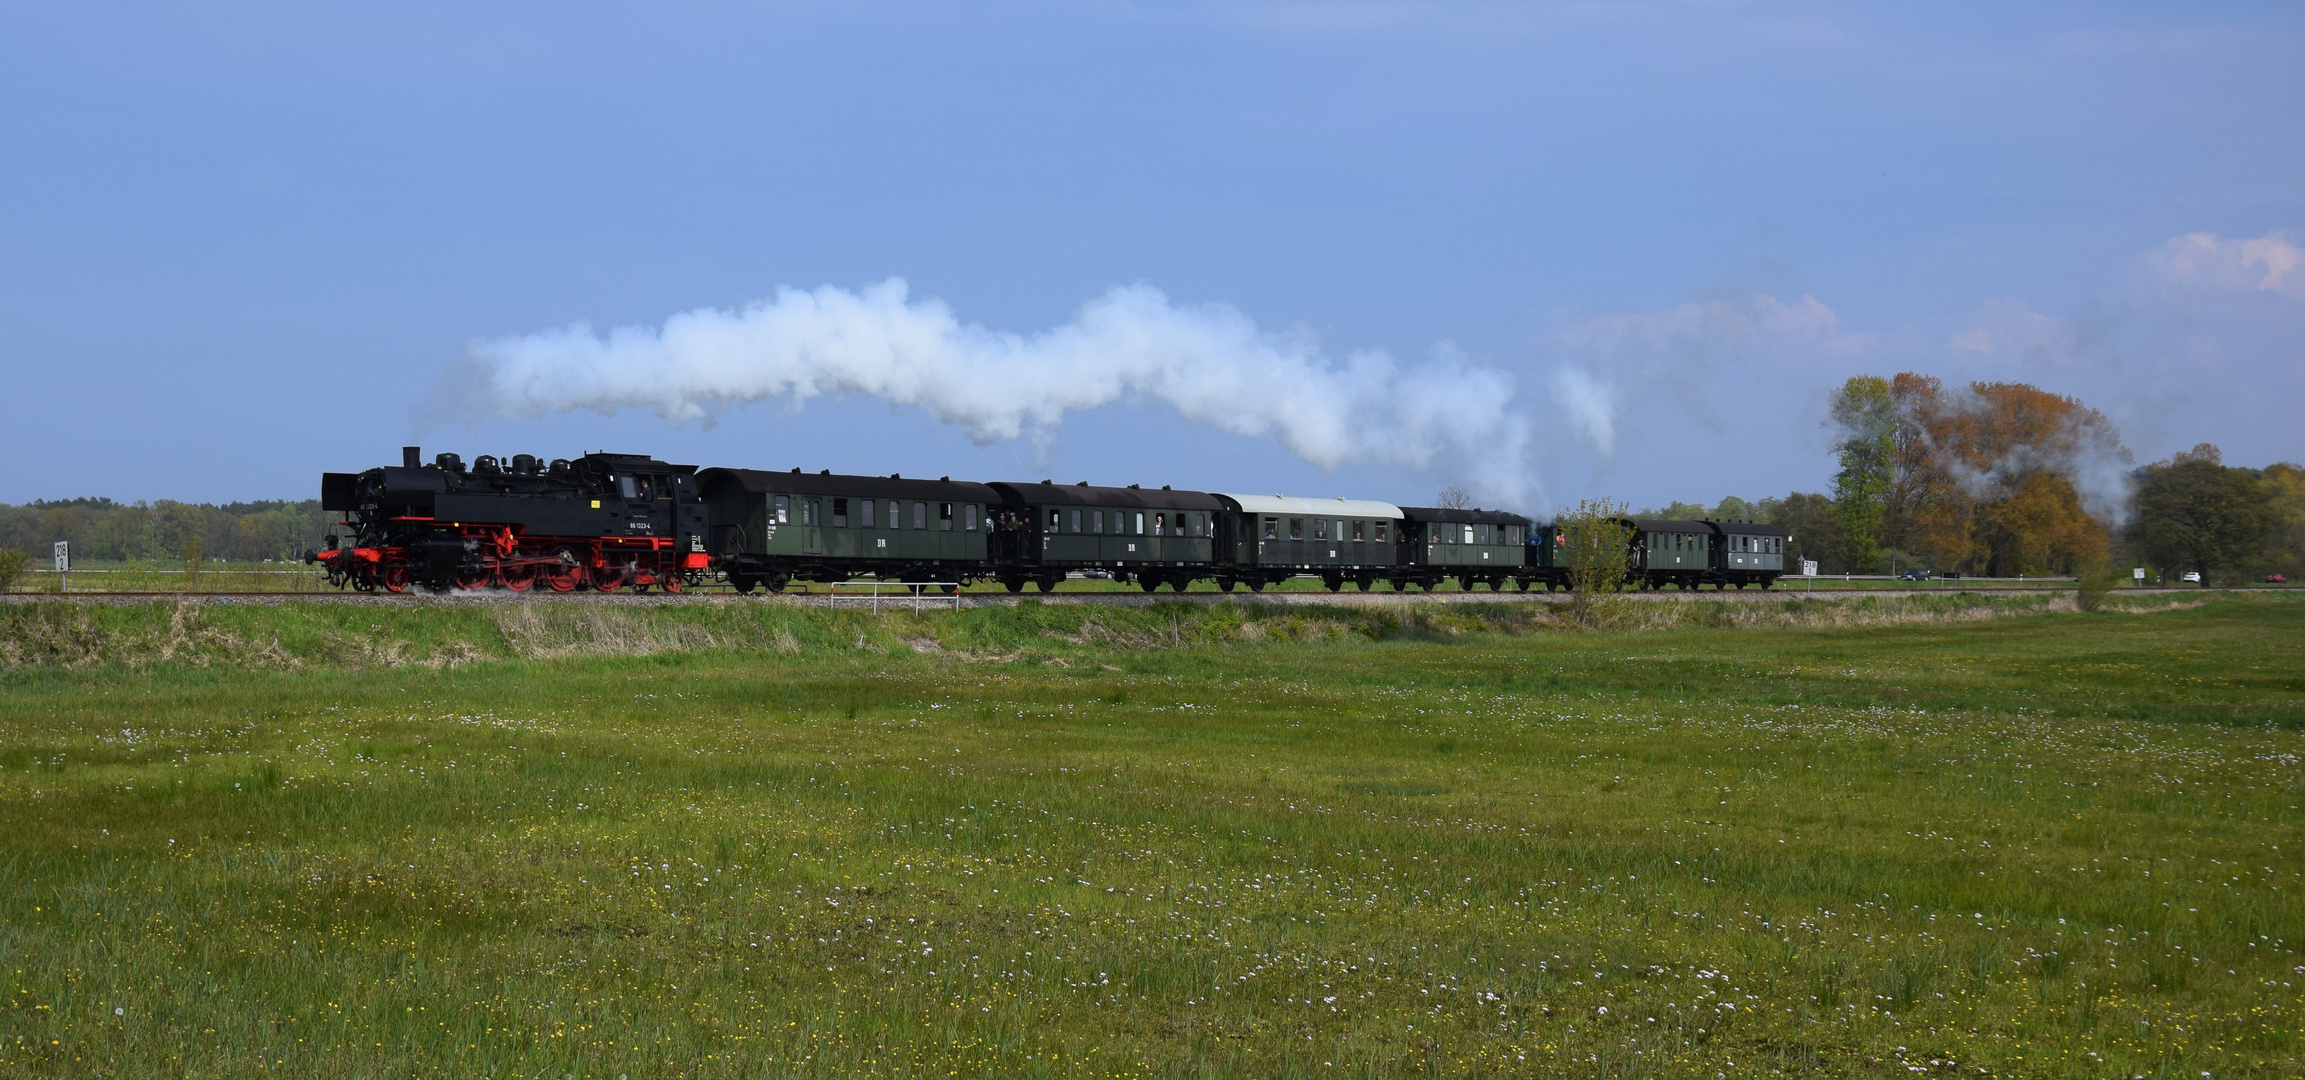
{"x":1941,"y":837}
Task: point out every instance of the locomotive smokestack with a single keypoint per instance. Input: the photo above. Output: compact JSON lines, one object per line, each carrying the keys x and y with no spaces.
{"x":411,"y":457}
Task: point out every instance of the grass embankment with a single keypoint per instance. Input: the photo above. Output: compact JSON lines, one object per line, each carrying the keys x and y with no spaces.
{"x":1865,"y":839}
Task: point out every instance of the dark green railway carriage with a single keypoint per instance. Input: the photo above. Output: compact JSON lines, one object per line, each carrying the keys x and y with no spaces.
{"x":1269,"y":538}
{"x":1544,"y":561}
{"x":1669,"y":552}
{"x":1153,"y":537}
{"x":1747,"y":553}
{"x":769,"y":528}
{"x":1472,"y":546}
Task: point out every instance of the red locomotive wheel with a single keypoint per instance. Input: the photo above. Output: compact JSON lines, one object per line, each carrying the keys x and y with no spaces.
{"x":670,"y":583}
{"x":474,"y":579}
{"x":563,"y":577}
{"x":608,"y":579}
{"x":393,"y":578}
{"x":517,"y":578}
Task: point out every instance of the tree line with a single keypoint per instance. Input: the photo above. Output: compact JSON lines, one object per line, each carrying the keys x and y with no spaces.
{"x":2003,"y":479}
{"x":101,"y":530}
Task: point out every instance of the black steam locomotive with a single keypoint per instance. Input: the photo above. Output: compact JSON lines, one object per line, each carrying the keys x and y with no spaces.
{"x":601,"y":521}
{"x":615,"y":521}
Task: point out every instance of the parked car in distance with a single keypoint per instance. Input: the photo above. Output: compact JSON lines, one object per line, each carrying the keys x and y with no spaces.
{"x":2192,"y":577}
{"x":1914,"y":575}
{"x":2276,"y":579}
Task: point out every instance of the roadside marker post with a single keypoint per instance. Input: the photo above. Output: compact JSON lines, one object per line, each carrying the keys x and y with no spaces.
{"x":63,"y":566}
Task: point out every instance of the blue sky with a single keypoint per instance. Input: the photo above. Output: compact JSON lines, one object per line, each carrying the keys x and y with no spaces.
{"x":243,"y":244}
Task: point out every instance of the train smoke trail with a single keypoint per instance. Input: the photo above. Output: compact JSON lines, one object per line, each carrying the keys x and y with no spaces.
{"x":1209,"y":362}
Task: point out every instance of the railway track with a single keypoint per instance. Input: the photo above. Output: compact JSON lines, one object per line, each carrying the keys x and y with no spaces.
{"x":989,"y":599}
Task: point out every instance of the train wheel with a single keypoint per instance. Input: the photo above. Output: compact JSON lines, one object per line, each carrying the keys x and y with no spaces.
{"x":742,"y":583}
{"x":517,"y":577}
{"x":1364,"y":582}
{"x":474,"y":578}
{"x":393,"y":578}
{"x":1225,"y":584}
{"x":608,"y":579}
{"x":1256,"y":584}
{"x":1046,"y":584}
{"x":563,"y":577}
{"x":1014,"y":584}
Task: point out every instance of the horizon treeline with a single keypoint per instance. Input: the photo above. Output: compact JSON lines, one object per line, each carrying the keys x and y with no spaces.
{"x":2001,"y":479}
{"x":165,"y":531}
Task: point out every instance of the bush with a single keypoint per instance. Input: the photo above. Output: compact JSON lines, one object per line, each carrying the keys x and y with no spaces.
{"x":13,"y":563}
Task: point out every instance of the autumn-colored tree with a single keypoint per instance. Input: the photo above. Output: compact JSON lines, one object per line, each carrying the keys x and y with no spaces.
{"x":1989,"y":479}
{"x":2285,"y":483}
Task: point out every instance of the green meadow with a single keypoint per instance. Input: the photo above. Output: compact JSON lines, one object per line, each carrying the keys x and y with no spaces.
{"x":1924,"y":836}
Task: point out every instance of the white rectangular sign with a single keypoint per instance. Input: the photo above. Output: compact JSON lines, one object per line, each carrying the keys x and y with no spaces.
{"x":1808,"y":568}
{"x":2138,"y":573}
{"x":63,"y":556}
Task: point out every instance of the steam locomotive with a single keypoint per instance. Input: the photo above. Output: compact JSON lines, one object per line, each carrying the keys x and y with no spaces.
{"x":615,"y":521}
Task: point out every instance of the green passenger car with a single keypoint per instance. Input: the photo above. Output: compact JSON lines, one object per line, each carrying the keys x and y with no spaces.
{"x":770,"y":528}
{"x":1270,"y":538}
{"x":1747,"y":553}
{"x":1473,"y":547}
{"x":1669,"y":552}
{"x":1153,"y":537}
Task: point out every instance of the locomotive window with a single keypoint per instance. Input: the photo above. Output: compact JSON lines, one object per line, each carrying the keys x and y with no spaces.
{"x":920,"y":515}
{"x":1381,"y":531}
{"x":1296,"y":528}
{"x":1076,"y":521}
{"x":866,"y":506}
{"x":944,"y":517}
{"x":625,"y":488}
{"x":783,"y":505}
{"x":840,"y":513}
{"x":1272,"y":528}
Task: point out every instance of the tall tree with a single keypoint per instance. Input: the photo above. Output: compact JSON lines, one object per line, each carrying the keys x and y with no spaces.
{"x":2285,"y":482}
{"x":1865,"y":420}
{"x":2193,"y":513}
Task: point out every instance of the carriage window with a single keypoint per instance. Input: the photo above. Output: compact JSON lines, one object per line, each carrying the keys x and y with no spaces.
{"x":1340,"y":528}
{"x":783,"y":505}
{"x":840,"y":513}
{"x":808,"y":511}
{"x":1272,"y":528}
{"x":1055,"y":520}
{"x":865,"y":505}
{"x":1076,"y":521}
{"x":1160,"y":524}
{"x":970,"y":521}
{"x":1096,"y":521}
{"x":1468,"y":534}
{"x":1480,"y":534}
{"x":1296,"y":528}
{"x":895,"y":514}
{"x":1360,"y":530}
{"x":944,"y":517}
{"x":920,"y":515}
{"x":1381,"y":531}
{"x":1139,"y":530}
{"x":1320,"y":528}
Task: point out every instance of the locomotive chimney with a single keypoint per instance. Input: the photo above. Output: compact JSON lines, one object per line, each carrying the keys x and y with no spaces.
{"x":411,"y":457}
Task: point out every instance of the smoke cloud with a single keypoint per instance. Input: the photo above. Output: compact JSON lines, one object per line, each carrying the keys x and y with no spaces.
{"x":1210,"y":363}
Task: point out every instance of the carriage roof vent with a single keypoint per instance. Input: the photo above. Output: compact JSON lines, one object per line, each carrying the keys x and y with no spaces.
{"x":1133,"y":487}
{"x":1083,"y":483}
{"x":896,"y":476}
{"x":796,"y":470}
{"x":1165,"y":487}
{"x":1048,"y":481}
{"x":824,"y":472}
{"x":946,"y":479}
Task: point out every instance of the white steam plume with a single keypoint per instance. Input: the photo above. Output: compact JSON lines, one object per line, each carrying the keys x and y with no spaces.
{"x":1209,"y":362}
